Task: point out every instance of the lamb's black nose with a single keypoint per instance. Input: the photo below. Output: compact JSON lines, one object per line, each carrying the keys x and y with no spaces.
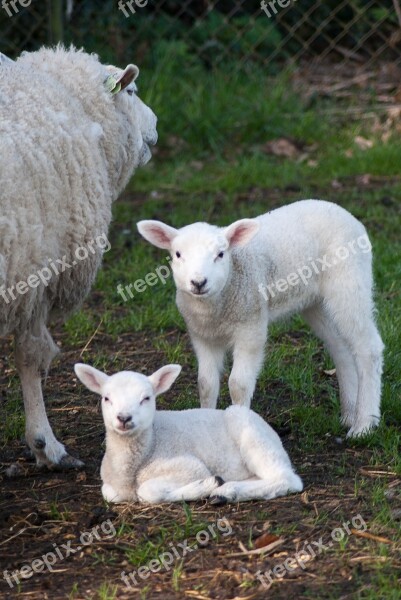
{"x":199,"y":284}
{"x":124,"y":418}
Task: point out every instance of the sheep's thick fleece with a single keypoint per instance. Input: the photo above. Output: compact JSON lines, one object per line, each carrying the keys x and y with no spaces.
{"x":68,"y":148}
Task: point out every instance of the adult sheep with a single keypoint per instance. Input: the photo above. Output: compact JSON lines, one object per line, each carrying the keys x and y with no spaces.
{"x":72,"y":132}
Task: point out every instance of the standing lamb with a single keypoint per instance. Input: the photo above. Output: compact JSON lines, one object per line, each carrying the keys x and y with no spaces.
{"x":72,"y":132}
{"x":167,"y":456}
{"x":311,"y":257}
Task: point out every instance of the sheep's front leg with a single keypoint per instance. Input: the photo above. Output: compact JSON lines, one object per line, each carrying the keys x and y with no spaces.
{"x":247,"y":361}
{"x":33,"y":354}
{"x":210,"y":366}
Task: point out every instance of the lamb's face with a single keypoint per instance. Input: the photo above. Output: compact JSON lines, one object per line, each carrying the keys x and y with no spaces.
{"x":201,"y":260}
{"x":201,"y":252}
{"x":128,"y":398}
{"x":128,"y":403}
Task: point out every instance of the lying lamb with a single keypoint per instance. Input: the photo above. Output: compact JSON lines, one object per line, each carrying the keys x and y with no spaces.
{"x":167,"y":456}
{"x":72,"y":132}
{"x":311,"y":257}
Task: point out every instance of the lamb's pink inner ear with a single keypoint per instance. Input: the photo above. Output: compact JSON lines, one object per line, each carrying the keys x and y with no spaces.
{"x":241,"y":232}
{"x":163,"y":379}
{"x":156,"y":233}
{"x":91,"y":377}
{"x":129,"y":75}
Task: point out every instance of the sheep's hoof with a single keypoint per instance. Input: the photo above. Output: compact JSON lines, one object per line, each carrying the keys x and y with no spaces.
{"x":219,"y":481}
{"x":218,"y":500}
{"x":68,"y":462}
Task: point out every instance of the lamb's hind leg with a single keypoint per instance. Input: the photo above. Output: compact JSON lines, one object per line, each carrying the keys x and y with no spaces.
{"x":269,"y":467}
{"x":342,"y":357}
{"x":349,"y":309}
{"x":34,"y":351}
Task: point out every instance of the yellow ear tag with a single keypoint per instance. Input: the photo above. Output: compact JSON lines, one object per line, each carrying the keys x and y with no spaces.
{"x":112,"y":86}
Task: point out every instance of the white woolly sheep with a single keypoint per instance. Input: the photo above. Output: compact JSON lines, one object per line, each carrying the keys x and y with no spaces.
{"x":72,"y":131}
{"x":311,"y":257}
{"x":167,"y":456}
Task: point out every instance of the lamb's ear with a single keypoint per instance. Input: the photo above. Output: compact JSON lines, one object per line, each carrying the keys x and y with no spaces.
{"x":157,"y":233}
{"x":129,"y":75}
{"x":163,"y":379}
{"x":91,"y":377}
{"x":241,"y":232}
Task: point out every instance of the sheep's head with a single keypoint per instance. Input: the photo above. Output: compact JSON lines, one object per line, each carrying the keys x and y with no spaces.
{"x":201,"y":253}
{"x":121,"y":84}
{"x":128,"y":398}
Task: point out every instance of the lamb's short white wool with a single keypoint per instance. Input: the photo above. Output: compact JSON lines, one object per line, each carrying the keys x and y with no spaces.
{"x":167,"y":456}
{"x":311,"y":257}
{"x":69,"y":143}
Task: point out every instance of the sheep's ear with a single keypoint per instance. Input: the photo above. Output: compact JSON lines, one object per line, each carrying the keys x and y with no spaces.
{"x":4,"y":60}
{"x":116,"y":83}
{"x":157,"y":233}
{"x":91,"y":377}
{"x":129,"y":75}
{"x":241,"y":232}
{"x":163,"y":379}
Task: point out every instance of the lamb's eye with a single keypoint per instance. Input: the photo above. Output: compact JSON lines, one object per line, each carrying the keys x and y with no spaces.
{"x":178,"y":254}
{"x":106,"y":399}
{"x":146,"y":399}
{"x":130,"y":92}
{"x":220,"y":255}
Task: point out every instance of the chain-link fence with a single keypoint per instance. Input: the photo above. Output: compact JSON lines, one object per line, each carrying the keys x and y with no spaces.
{"x":358,"y":40}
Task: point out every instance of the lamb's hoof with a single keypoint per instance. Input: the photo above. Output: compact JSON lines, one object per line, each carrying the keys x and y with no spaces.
{"x":218,"y":500}
{"x":363,"y":429}
{"x":66,"y":463}
{"x":219,"y":481}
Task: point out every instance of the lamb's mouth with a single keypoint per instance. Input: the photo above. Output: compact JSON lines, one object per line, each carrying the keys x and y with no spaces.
{"x":199,"y":292}
{"x":124,"y":429}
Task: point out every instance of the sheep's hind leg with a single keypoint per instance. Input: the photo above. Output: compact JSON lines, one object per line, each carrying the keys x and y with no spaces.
{"x":34,"y":351}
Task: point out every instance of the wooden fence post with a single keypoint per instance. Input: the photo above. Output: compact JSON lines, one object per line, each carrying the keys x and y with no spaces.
{"x":56,"y":23}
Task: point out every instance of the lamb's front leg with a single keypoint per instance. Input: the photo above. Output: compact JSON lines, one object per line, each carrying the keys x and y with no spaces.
{"x":160,"y":490}
{"x":33,"y":354}
{"x":248,"y":357}
{"x":210,"y":366}
{"x":177,"y":479}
